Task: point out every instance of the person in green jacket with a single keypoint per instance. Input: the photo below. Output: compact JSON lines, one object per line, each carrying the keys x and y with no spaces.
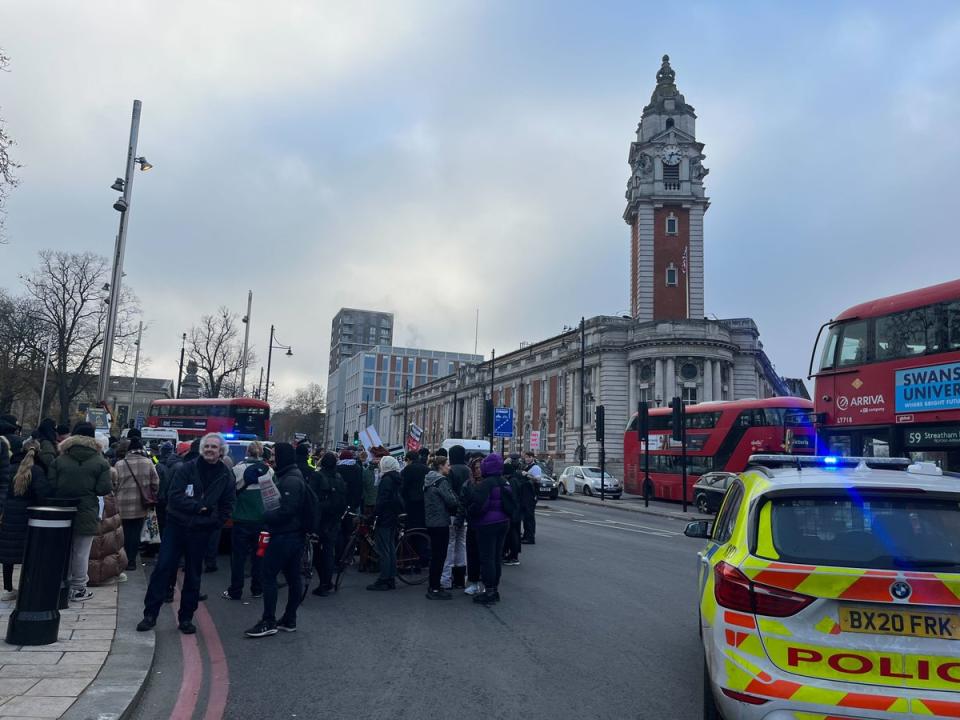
{"x":77,"y":477}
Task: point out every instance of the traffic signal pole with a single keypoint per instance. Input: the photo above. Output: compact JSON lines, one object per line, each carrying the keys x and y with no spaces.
{"x":679,"y":422}
{"x":599,"y":420}
{"x":643,"y":431}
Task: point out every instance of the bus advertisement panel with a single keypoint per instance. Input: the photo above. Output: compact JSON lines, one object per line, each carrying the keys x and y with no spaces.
{"x":720,"y":436}
{"x":888,"y":378}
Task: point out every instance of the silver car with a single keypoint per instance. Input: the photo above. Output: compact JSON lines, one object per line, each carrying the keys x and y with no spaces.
{"x":586,"y":479}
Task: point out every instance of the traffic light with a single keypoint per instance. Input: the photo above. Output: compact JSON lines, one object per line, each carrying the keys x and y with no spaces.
{"x":598,"y":422}
{"x":356,"y":438}
{"x":643,"y":421}
{"x":344,"y":436}
{"x":677,"y":421}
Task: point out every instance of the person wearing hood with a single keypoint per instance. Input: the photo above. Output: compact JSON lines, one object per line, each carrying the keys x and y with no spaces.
{"x":79,"y":476}
{"x":439,"y":504}
{"x":455,"y":566}
{"x":284,"y":553}
{"x":388,"y":509}
{"x":331,"y":491}
{"x":512,"y":546}
{"x":302,"y":451}
{"x":24,"y":491}
{"x":107,"y":556}
{"x":164,"y":473}
{"x":137,"y":486}
{"x":248,"y":523}
{"x":10,"y":447}
{"x":490,"y":510}
{"x":352,"y":474}
{"x":412,"y":475}
{"x":46,"y":434}
{"x":201,"y":498}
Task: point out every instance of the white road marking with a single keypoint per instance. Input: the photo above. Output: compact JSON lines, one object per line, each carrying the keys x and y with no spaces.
{"x":546,"y":513}
{"x":659,"y":533}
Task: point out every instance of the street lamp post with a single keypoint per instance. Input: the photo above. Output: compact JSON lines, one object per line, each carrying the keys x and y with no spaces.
{"x":246,"y":342}
{"x":43,"y":388}
{"x":183,"y":347}
{"x":122,"y":205}
{"x":583,"y":362}
{"x":278,"y":346}
{"x":136,"y":369}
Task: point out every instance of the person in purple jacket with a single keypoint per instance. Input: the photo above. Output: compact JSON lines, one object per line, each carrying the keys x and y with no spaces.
{"x":491,"y":505}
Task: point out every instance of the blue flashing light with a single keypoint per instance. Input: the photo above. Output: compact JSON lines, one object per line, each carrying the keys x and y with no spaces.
{"x":229,"y":436}
{"x":830,"y":460}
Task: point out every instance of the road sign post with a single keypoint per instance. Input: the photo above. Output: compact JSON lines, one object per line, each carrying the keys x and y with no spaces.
{"x":503,"y":422}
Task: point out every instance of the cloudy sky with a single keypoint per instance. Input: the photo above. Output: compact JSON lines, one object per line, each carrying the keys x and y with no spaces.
{"x":429,"y":158}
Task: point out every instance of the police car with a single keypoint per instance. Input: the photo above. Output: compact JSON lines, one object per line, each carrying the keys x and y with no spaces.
{"x":830,"y":590}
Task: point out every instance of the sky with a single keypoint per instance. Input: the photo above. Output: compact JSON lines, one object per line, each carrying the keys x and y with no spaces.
{"x":429,"y":159}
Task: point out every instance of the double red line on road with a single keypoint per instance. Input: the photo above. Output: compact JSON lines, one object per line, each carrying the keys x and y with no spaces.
{"x":191,"y":680}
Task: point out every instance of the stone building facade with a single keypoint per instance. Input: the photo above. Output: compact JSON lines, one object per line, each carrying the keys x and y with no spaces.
{"x":666,"y":348}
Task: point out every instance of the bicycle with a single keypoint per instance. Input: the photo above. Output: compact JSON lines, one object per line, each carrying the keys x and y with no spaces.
{"x":413,"y":554}
{"x":360,"y":539}
{"x":306,"y":566}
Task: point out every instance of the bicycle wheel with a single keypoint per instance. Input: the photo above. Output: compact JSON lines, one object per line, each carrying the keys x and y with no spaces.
{"x":413,"y":557}
{"x":306,"y":568}
{"x":347,"y":558}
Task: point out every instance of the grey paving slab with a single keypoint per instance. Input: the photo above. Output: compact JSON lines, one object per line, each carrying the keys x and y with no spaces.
{"x":29,"y":658}
{"x":36,"y":706}
{"x":50,"y":671}
{"x":16,"y":686}
{"x":58,"y":687}
{"x":83,"y":658}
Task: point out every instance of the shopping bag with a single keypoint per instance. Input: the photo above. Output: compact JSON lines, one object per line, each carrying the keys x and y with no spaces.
{"x":151,"y":528}
{"x":269,"y":494}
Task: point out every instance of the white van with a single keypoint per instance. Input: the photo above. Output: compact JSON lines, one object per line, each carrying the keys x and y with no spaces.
{"x":471,"y":446}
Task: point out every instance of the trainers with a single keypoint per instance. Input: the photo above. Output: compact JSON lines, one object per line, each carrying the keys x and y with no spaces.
{"x":262,"y":629}
{"x":381,"y":585}
{"x":256,"y":594}
{"x":484,"y":598}
{"x":122,"y":577}
{"x":438,"y":595}
{"x":187,"y":627}
{"x":8,"y":595}
{"x":511,"y":562}
{"x":148,"y":623}
{"x":81,"y":595}
{"x":474,"y":588}
{"x":321,"y":591}
{"x":287,"y":626}
{"x":227,"y":596}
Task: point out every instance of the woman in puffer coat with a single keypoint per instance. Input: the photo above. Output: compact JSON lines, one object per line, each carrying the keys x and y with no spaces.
{"x":136,"y":476}
{"x":23,"y":492}
{"x":439,"y":504}
{"x":107,"y":556}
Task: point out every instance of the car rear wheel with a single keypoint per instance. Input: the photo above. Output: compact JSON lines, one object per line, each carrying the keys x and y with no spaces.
{"x":710,"y":711}
{"x":702,"y":504}
{"x":617,"y":496}
{"x":587,"y":491}
{"x":554,"y":495}
{"x":563,"y":489}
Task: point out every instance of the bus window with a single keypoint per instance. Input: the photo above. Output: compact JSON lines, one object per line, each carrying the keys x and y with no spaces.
{"x":952,"y":322}
{"x":830,"y":348}
{"x":853,"y":346}
{"x":905,"y":334}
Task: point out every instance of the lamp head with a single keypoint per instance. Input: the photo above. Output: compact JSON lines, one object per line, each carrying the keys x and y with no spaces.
{"x":117,"y":185}
{"x":290,"y":352}
{"x":120,"y":205}
{"x":144,"y":163}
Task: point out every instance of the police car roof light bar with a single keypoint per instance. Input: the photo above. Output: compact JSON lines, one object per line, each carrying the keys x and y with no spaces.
{"x":828,"y":461}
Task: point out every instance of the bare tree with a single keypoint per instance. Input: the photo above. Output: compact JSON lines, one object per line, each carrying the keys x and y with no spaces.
{"x":311,"y":398}
{"x":69,"y":294}
{"x":8,"y":178}
{"x":19,"y":361}
{"x":304,"y":412}
{"x":216,"y":347}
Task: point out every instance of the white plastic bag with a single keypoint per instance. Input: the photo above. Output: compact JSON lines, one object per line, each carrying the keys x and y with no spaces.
{"x":269,"y":493}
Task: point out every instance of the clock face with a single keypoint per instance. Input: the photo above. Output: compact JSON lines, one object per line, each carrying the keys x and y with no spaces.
{"x":671,"y":154}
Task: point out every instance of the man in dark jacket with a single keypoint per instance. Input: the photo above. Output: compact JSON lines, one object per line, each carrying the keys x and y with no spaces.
{"x":411,"y":481}
{"x":201,"y":497}
{"x":511,"y":546}
{"x":389,"y":506}
{"x":352,"y":473}
{"x":528,"y":497}
{"x":46,"y":435}
{"x":331,"y":491}
{"x":283,"y":520}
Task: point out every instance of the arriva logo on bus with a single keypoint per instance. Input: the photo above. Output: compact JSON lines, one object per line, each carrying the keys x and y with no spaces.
{"x":860,"y":401}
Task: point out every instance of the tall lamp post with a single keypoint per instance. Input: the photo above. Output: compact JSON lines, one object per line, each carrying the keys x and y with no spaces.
{"x":122,"y":205}
{"x":583,"y":362}
{"x":278,"y":346}
{"x":46,"y":366}
{"x":136,"y":369}
{"x":246,"y":343}
{"x":183,"y":347}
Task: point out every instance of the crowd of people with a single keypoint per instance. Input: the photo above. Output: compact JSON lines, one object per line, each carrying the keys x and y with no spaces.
{"x":477,"y":511}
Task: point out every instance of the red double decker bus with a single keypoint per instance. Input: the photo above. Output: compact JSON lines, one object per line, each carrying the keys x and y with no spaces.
{"x":231,"y":416}
{"x":888,"y":380}
{"x":720,"y":436}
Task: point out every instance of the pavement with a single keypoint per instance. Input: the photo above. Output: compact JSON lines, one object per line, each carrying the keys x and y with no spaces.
{"x":96,"y":668}
{"x":598,"y":621}
{"x":635,"y":503}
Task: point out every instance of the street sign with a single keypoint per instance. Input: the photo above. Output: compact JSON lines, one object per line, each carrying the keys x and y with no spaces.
{"x":138,"y":423}
{"x":503,"y":422}
{"x":341,"y":445}
{"x":534,"y":439}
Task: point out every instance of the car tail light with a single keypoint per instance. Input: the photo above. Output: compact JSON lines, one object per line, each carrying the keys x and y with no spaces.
{"x":736,"y":591}
{"x":743,"y":697}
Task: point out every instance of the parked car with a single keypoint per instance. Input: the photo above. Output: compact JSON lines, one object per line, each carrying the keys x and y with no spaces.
{"x":709,"y":490}
{"x":548,"y":487}
{"x":585,"y":479}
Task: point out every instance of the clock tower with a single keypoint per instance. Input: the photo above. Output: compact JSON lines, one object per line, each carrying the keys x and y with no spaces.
{"x":665,"y":208}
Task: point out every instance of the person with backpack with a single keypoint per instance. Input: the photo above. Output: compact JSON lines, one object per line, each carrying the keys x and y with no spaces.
{"x":454,"y":573}
{"x":439,"y":504}
{"x":331,"y":491}
{"x":388,"y":509}
{"x":512,"y":546}
{"x":247,"y":523}
{"x":285,"y":523}
{"x":136,"y":487}
{"x":492,"y":506}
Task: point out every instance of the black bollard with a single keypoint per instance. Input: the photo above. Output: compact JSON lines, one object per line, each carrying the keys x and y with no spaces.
{"x":36,"y":620}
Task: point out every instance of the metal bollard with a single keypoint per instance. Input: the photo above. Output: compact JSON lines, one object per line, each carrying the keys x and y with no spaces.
{"x":36,"y":620}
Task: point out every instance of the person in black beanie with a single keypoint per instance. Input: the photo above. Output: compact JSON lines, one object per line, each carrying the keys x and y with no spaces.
{"x":46,"y":435}
{"x":284,"y":553}
{"x":331,"y":490}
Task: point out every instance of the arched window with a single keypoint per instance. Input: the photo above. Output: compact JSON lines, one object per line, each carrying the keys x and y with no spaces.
{"x":669,"y":123}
